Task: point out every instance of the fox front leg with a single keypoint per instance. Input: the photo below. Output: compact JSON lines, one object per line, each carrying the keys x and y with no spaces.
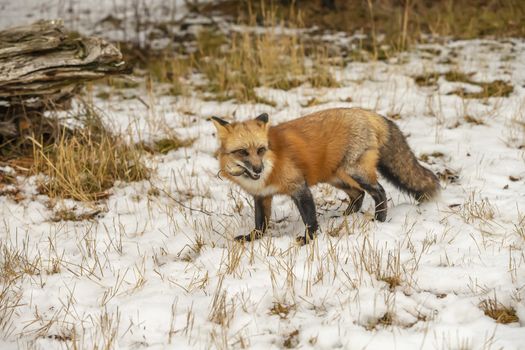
{"x":304,"y":201}
{"x":263,"y":209}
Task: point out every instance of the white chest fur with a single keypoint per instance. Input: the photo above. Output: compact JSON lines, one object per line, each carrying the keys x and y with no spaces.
{"x":258,"y":187}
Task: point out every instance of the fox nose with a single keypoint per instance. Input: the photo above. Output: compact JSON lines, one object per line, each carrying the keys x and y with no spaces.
{"x":257,"y":169}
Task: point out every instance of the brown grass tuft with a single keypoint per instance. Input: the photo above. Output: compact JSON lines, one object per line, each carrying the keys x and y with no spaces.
{"x":430,"y":157}
{"x":70,"y":215}
{"x":84,"y":164}
{"x":499,"y":312}
{"x":172,"y":143}
{"x":473,"y":120}
{"x":477,"y":209}
{"x":281,"y":310}
{"x":291,"y":340}
{"x":393,"y":280}
{"x":386,"y":320}
{"x":497,"y":88}
{"x":14,"y":263}
{"x":427,"y":79}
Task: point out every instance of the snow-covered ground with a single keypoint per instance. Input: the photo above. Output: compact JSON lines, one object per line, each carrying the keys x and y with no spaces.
{"x":158,"y":268}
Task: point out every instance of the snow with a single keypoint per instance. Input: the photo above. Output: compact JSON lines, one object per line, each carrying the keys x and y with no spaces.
{"x":119,"y":20}
{"x":162,"y":271}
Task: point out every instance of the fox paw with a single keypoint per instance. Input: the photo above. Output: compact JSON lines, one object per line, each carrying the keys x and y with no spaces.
{"x":252,"y":236}
{"x":304,"y":240}
{"x":380,"y":215}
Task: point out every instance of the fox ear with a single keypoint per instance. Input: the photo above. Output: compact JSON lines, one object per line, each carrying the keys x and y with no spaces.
{"x":262,"y":118}
{"x":217,"y":120}
{"x":221,"y":125}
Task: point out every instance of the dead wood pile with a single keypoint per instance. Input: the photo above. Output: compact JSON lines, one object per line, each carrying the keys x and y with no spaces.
{"x":42,"y":66}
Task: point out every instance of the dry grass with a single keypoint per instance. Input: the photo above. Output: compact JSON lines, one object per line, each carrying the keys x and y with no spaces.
{"x":372,"y":260}
{"x":515,"y":133}
{"x":456,"y":76}
{"x":474,"y":209}
{"x":221,"y":310}
{"x":16,"y":262}
{"x":497,"y":88}
{"x":386,"y":320}
{"x":427,"y":79}
{"x":65,"y":214}
{"x":281,"y":310}
{"x":473,"y":120}
{"x":291,"y":340}
{"x":173,"y":143}
{"x":519,"y":227}
{"x":234,"y":65}
{"x":9,"y":186}
{"x":174,"y":245}
{"x":9,"y":301}
{"x":85,"y":164}
{"x":250,"y":60}
{"x":430,"y":157}
{"x":401,"y":22}
{"x":499,"y":312}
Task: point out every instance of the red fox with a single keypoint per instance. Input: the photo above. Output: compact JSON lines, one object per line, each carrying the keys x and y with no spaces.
{"x":343,"y":147}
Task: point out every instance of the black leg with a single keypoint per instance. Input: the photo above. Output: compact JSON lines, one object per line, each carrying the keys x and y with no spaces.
{"x":381,"y":202}
{"x":356,"y":202}
{"x":261,"y":218}
{"x":355,"y":196}
{"x":378,"y":194}
{"x":305,"y":203}
{"x":263,"y":208}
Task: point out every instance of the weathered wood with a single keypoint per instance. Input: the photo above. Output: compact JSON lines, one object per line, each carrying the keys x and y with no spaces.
{"x":42,"y":64}
{"x":39,"y":36}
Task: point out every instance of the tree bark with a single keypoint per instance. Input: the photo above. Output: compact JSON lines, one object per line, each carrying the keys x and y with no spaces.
{"x":44,"y":65}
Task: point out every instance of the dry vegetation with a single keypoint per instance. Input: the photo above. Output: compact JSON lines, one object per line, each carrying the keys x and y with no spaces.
{"x":190,"y":254}
{"x":236,"y":63}
{"x":252,"y":60}
{"x":402,"y":23}
{"x":283,"y":56}
{"x":497,"y":88}
{"x":499,"y":312}
{"x":84,"y":163}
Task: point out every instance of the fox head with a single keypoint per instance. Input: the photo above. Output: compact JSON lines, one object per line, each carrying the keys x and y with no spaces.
{"x":243,"y":152}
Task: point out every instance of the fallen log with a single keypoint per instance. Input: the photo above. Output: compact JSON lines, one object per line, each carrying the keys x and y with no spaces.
{"x":43,"y":66}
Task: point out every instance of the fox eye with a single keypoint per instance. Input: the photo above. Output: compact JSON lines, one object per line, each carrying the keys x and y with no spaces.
{"x":261,"y":151}
{"x":241,"y":152}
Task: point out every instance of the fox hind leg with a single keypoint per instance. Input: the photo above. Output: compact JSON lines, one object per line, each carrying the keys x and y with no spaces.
{"x":363,"y":175}
{"x":356,"y":197}
{"x":378,"y":194}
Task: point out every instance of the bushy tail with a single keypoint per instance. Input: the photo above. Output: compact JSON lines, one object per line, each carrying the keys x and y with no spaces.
{"x":398,"y":165}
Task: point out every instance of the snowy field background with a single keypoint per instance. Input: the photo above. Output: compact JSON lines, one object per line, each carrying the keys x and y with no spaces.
{"x":158,"y":269}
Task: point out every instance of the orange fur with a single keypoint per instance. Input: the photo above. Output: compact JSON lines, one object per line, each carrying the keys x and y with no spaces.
{"x":344,"y":147}
{"x":320,"y":147}
{"x":313,"y":148}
